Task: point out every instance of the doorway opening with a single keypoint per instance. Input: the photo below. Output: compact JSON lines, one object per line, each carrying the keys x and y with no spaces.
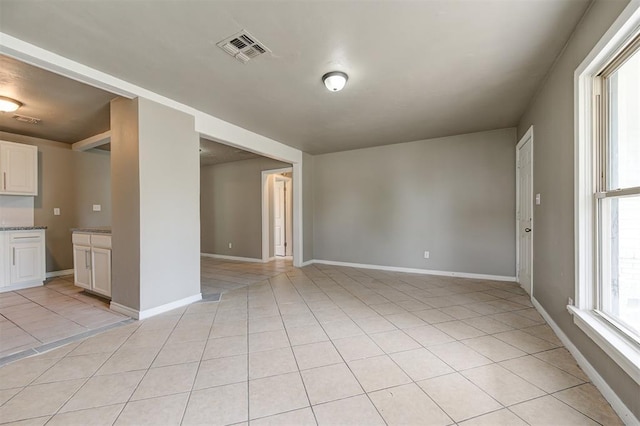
{"x":277,"y":214}
{"x":524,"y":212}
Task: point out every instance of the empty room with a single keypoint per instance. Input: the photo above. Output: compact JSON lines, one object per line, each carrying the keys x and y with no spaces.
{"x":320,"y":212}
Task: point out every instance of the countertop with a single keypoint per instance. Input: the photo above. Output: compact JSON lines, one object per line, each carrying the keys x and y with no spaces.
{"x":98,"y":230}
{"x":21,"y":228}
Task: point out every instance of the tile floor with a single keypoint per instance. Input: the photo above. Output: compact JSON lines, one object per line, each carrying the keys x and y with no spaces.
{"x":218,"y":276}
{"x":35,"y":318}
{"x":317,"y":345}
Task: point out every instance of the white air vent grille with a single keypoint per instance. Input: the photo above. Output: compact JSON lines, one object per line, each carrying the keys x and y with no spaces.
{"x":26,"y":119}
{"x":243,"y":46}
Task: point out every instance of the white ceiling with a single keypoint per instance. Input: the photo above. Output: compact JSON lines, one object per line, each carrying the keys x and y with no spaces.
{"x":417,"y":69}
{"x":70,"y":111}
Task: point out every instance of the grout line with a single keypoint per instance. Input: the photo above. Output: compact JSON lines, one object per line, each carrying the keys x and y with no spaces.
{"x":86,"y":379}
{"x":337,"y":291}
{"x":291,"y":348}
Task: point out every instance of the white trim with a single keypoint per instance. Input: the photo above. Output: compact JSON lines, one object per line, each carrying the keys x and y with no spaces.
{"x":288,"y":252}
{"x":61,"y":273}
{"x":92,"y":142}
{"x":306,"y":263}
{"x":616,"y":403}
{"x":210,"y":126}
{"x":528,"y":137}
{"x":613,"y":40}
{"x":413,"y":270}
{"x":297,"y":214}
{"x":237,"y":258}
{"x":147,"y":313}
{"x":624,"y":353}
{"x":265,"y":210}
{"x":20,"y":286}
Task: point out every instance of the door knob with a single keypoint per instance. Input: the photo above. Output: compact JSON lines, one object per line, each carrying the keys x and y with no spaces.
{"x":527,"y":229}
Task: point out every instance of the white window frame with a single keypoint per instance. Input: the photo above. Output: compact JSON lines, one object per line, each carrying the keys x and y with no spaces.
{"x":623,"y":350}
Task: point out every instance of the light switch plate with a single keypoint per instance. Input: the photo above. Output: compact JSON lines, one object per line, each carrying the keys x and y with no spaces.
{"x":56,"y":211}
{"x":97,"y":207}
{"x":537,"y":199}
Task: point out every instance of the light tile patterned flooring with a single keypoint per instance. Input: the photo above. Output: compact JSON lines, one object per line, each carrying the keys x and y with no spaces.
{"x":317,"y":345}
{"x":218,"y":276}
{"x":33,"y":318}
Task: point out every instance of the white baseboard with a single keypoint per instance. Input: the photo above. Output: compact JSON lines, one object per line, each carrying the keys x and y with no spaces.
{"x":62,"y":273}
{"x":237,"y":258}
{"x":616,"y":403}
{"x":306,"y":263}
{"x":21,"y":286}
{"x":414,"y":270}
{"x":147,"y":313}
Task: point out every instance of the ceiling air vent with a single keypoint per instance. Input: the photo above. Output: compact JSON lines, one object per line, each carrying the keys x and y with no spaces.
{"x":26,"y":119}
{"x":243,"y":46}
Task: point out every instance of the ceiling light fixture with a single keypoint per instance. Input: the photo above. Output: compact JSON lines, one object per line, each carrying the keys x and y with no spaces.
{"x":8,"y":104}
{"x":335,"y":80}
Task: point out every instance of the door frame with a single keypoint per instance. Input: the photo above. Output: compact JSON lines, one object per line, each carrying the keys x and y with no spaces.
{"x":288,"y":213}
{"x":527,"y":137}
{"x":265,"y":211}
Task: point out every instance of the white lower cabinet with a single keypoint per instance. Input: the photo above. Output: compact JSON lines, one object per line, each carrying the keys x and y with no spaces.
{"x":22,"y":258}
{"x":92,"y":262}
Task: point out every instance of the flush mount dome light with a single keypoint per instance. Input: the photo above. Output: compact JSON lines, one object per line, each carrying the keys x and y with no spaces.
{"x":8,"y":104}
{"x":335,"y":80}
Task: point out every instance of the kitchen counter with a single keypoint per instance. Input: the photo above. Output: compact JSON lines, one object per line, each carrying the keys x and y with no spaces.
{"x":98,"y":230}
{"x":21,"y":228}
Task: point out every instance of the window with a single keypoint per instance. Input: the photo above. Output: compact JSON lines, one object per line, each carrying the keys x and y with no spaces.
{"x":607,"y":203}
{"x":617,"y":190}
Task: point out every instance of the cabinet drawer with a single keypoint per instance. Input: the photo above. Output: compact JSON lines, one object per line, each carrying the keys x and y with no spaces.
{"x":25,"y":237}
{"x":81,"y":239}
{"x":101,"y":241}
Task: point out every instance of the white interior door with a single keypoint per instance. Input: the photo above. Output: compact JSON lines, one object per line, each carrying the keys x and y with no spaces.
{"x":524,"y":214}
{"x":279,"y":217}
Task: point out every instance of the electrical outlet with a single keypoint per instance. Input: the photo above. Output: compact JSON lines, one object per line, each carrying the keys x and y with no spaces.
{"x":230,"y":245}
{"x":570,"y":302}
{"x":56,"y":211}
{"x":426,"y":254}
{"x":97,"y":207}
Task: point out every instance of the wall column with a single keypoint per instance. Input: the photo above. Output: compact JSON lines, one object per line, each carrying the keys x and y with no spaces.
{"x":155,"y":186}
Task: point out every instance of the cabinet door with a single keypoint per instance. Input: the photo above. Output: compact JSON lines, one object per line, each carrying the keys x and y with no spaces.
{"x":26,"y":261}
{"x":82,"y":266}
{"x":101,"y":270}
{"x":5,"y":261}
{"x":19,"y":167}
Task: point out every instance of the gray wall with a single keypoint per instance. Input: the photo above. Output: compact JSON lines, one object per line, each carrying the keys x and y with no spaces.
{"x":125,"y":194}
{"x":453,"y":196}
{"x":231,"y":207}
{"x":72,"y":181}
{"x":156,"y":217}
{"x":169,"y":164}
{"x":551,"y":114}
{"x":307,"y":207}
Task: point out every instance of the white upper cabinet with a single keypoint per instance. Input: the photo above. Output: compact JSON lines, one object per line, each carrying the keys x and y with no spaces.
{"x":18,"y":169}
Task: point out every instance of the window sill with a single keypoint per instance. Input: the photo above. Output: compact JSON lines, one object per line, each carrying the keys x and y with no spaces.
{"x":625,"y":353}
